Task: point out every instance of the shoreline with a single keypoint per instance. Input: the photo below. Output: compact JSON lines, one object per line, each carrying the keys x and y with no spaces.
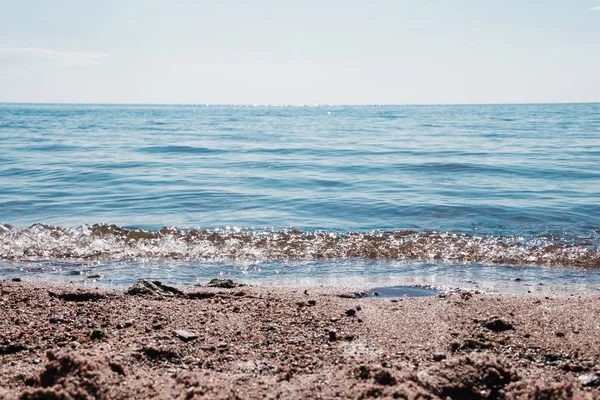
{"x":72,"y":341}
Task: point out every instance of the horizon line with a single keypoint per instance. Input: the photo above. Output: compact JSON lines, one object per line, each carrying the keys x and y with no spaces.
{"x":294,"y":104}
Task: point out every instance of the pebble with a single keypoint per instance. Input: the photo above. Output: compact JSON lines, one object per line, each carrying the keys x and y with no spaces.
{"x":16,"y":279}
{"x":439,"y":356}
{"x":55,"y":319}
{"x":351,"y":312}
{"x":588,"y":380}
{"x":184,"y":335}
{"x":332,"y":335}
{"x":498,"y":325}
{"x":36,"y":361}
{"x":125,"y":324}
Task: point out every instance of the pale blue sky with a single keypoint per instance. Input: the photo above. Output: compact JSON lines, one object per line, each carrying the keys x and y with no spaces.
{"x":300,"y":52}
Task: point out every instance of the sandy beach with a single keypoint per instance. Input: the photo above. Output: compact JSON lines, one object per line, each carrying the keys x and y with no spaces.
{"x":76,"y":342}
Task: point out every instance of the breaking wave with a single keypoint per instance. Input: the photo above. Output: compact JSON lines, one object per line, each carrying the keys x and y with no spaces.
{"x":110,"y":242}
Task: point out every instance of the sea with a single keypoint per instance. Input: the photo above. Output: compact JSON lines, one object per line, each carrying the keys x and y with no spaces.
{"x":492,"y":198}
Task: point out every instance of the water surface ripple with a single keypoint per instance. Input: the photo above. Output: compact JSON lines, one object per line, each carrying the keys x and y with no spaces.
{"x":505,"y":185}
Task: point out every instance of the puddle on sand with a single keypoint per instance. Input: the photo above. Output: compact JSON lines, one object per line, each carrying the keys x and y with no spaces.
{"x":401,"y":291}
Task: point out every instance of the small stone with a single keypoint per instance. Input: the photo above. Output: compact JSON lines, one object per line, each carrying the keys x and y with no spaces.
{"x":333,"y":319}
{"x":332,"y":335}
{"x":351,"y":312}
{"x":312,"y":302}
{"x":358,"y":308}
{"x":588,"y":380}
{"x":439,"y":356}
{"x":97,"y":334}
{"x":16,"y":279}
{"x":385,"y":378}
{"x":125,"y":324}
{"x":55,"y":319}
{"x":559,"y":334}
{"x":36,"y":361}
{"x":223,"y":283}
{"x":498,"y":325}
{"x":363,"y":372}
{"x":184,"y":335}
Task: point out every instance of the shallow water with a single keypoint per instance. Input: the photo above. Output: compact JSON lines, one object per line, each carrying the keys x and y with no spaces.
{"x":469,"y":196}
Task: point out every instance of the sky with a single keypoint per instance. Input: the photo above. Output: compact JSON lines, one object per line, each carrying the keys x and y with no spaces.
{"x":300,"y":52}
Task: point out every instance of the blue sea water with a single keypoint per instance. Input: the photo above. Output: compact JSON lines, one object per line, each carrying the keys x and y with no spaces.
{"x":496,"y":197}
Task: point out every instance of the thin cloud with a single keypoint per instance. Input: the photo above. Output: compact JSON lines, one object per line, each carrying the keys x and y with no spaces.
{"x":597,"y":8}
{"x":61,"y":58}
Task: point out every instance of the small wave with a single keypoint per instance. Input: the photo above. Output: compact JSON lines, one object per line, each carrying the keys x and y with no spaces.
{"x":110,"y":242}
{"x":174,"y":149}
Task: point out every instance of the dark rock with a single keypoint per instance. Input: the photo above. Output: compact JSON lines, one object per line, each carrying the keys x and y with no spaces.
{"x":439,"y":356}
{"x":97,"y":334}
{"x":363,"y":372}
{"x":559,"y":334}
{"x":385,"y":378}
{"x":498,"y":325}
{"x":118,"y":368}
{"x":374,"y":392}
{"x":312,"y":303}
{"x":77,"y":296}
{"x":354,"y":295}
{"x":332,"y":335}
{"x":223,"y":283}
{"x":184,"y":335}
{"x":200,"y":295}
{"x":351,"y":312}
{"x":154,"y":353}
{"x":144,"y":287}
{"x":12,"y":348}
{"x":358,"y":308}
{"x":16,"y":279}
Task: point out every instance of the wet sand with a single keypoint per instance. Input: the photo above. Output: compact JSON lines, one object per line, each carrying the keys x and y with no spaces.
{"x":74,"y":342}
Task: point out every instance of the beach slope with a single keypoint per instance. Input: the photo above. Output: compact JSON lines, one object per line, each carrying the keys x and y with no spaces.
{"x":75,"y":342}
